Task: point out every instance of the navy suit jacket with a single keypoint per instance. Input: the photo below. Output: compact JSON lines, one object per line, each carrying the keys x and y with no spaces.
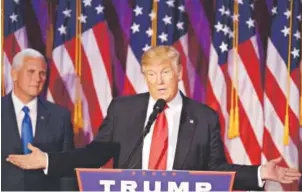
{"x":53,"y":134}
{"x":199,"y":144}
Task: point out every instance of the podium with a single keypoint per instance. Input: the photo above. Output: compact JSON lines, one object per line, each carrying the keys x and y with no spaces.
{"x":153,"y":180}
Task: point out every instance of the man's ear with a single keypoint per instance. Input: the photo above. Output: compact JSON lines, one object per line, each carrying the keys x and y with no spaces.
{"x":14,"y":74}
{"x":180,"y":72}
{"x":142,"y":71}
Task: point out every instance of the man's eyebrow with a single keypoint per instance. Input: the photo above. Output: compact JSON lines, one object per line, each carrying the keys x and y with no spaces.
{"x":149,"y":71}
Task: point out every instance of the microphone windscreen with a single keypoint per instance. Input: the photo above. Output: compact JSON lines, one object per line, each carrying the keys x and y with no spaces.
{"x":160,"y":105}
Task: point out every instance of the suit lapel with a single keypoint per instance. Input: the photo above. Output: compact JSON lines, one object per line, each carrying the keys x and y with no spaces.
{"x":42,"y":119}
{"x":138,"y":124}
{"x":185,"y":134}
{"x":12,"y":126}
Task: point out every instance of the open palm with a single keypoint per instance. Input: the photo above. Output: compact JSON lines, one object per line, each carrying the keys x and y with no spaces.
{"x":272,"y":171}
{"x":35,"y":160}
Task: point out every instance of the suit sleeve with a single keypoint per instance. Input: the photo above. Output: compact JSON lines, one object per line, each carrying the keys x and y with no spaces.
{"x":68,"y":143}
{"x":93,"y":155}
{"x":246,"y":177}
{"x":68,"y":183}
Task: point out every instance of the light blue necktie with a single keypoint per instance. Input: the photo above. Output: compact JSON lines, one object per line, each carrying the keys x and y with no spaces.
{"x":27,"y":131}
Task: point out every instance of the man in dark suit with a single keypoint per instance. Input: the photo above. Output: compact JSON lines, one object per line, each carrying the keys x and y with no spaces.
{"x":185,"y":136}
{"x":29,"y":119}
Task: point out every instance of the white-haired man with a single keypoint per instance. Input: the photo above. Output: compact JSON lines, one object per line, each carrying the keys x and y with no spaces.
{"x":26,"y":118}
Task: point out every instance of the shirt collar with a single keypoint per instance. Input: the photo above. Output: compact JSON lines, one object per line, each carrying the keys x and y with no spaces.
{"x":175,"y":102}
{"x":18,"y":104}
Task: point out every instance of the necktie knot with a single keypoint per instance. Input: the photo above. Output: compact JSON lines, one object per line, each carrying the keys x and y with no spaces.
{"x":25,"y":109}
{"x":166,"y":107}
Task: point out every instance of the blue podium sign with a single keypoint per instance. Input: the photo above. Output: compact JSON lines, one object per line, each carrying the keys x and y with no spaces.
{"x":151,"y":180}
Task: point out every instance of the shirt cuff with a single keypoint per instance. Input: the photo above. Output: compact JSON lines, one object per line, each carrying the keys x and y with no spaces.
{"x":260,"y":181}
{"x":46,"y":168}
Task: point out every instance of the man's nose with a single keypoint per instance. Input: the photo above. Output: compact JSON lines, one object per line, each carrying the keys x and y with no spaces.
{"x":37,"y":77}
{"x":159,"y":79}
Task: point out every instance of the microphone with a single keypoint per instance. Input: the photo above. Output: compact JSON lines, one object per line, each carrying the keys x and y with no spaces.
{"x":158,"y":108}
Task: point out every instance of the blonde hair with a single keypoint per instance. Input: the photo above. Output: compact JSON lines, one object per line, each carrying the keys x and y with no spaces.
{"x":161,"y":53}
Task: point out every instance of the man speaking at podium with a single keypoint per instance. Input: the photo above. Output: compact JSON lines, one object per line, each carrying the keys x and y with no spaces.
{"x":181,"y":134}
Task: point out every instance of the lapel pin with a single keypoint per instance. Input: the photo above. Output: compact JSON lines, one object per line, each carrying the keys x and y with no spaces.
{"x":42,"y":117}
{"x":191,"y":121}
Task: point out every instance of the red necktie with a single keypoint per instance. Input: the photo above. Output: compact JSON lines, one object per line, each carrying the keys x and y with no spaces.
{"x":159,"y":144}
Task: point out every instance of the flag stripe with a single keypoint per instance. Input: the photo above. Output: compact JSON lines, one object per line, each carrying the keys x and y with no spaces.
{"x":191,"y":73}
{"x":249,"y":55}
{"x":213,"y":103}
{"x":183,"y":62}
{"x":67,"y":72}
{"x":101,"y":82}
{"x":249,"y":92}
{"x":134,"y":74}
{"x":57,"y":88}
{"x":270,"y":149}
{"x":86,"y":81}
{"x":247,"y":134}
{"x":8,"y":82}
{"x":12,"y":44}
{"x":275,"y":127}
{"x":274,"y":93}
{"x":295,"y":76}
{"x":21,"y":37}
{"x":248,"y":110}
{"x":280,"y":75}
{"x":218,"y":85}
{"x":128,"y":89}
{"x":100,"y":33}
{"x":11,"y":47}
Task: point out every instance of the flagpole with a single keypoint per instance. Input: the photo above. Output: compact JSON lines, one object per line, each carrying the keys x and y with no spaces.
{"x":233,"y":130}
{"x":79,"y":72}
{"x":286,"y":123}
{"x":2,"y":50}
{"x":154,"y":24}
{"x":50,"y":32}
{"x":301,"y":75}
{"x":78,"y":121}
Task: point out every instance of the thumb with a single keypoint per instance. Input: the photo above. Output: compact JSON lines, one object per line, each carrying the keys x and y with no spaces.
{"x":277,"y":160}
{"x":32,"y":148}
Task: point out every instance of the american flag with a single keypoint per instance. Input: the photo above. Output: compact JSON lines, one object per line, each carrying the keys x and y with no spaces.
{"x":15,"y":39}
{"x":234,"y":87}
{"x":282,"y":85}
{"x":80,"y":73}
{"x":169,"y":28}
{"x":204,"y":33}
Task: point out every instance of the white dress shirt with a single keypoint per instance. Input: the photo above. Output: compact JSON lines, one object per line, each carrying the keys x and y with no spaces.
{"x":18,"y":106}
{"x":173,"y":117}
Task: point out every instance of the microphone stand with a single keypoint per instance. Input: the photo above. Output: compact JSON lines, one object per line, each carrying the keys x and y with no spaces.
{"x":141,"y":139}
